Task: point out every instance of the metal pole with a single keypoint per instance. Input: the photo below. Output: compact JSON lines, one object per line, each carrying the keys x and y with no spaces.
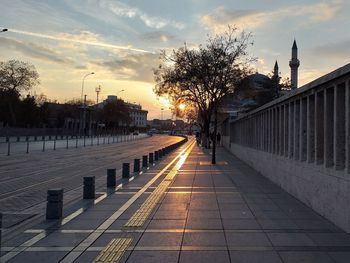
{"x":54,"y":144}
{"x":76,"y":141}
{"x":44,"y":144}
{"x":27,"y":146}
{"x":67,"y":142}
{"x":8,"y":147}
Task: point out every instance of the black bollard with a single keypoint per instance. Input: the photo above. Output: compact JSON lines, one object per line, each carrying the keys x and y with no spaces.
{"x":89,"y":187}
{"x":156,"y":155}
{"x":150,"y":156}
{"x":136,"y":165}
{"x":111,"y":177}
{"x":0,"y":227}
{"x":144,"y":161}
{"x":54,"y":205}
{"x":126,"y":170}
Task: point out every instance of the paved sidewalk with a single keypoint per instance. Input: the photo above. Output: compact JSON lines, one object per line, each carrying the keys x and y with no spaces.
{"x":187,"y":210}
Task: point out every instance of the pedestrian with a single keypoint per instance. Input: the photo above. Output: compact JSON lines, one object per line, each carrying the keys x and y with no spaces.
{"x":218,"y":138}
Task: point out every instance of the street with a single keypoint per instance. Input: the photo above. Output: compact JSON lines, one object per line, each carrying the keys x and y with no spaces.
{"x":25,"y":178}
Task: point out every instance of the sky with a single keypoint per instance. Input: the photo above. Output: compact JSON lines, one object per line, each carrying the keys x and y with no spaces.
{"x":120,"y":41}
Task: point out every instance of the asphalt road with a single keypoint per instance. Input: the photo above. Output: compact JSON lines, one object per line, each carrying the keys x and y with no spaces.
{"x":25,"y":178}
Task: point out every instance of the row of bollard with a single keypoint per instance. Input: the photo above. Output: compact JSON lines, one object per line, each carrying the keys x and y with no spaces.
{"x":54,"y":206}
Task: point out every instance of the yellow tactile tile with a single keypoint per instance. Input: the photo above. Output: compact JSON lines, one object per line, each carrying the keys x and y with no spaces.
{"x":114,"y":251}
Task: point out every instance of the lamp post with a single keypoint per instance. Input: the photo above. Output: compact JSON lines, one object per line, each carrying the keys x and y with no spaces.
{"x":84,"y":102}
{"x":82,"y":84}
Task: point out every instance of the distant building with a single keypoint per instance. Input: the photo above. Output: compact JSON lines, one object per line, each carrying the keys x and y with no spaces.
{"x":137,"y":114}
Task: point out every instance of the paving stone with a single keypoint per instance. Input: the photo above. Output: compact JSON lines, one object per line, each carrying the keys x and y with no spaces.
{"x":154,"y":257}
{"x":254,"y":257}
{"x":160,"y":239}
{"x":57,"y":239}
{"x":87,"y":256}
{"x":18,"y":240}
{"x":204,"y":256}
{"x":240,"y":224}
{"x":38,"y":256}
{"x":213,"y":214}
{"x":166,"y":224}
{"x":206,"y":223}
{"x":340,"y":257}
{"x":305,"y":257}
{"x":204,"y":239}
{"x":247,"y":240}
{"x":330,"y":239}
{"x":237,"y":214}
{"x":290,"y":239}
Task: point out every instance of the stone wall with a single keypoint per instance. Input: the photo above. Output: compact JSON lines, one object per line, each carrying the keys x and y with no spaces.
{"x":302,"y":143}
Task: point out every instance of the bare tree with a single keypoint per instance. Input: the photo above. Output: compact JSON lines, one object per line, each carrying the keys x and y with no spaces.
{"x":16,"y":77}
{"x":205,"y":75}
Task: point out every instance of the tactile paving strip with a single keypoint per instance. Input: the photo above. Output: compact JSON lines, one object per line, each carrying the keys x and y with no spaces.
{"x":114,"y":251}
{"x":141,"y":215}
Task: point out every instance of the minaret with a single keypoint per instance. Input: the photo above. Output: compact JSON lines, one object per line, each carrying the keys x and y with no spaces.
{"x":275,"y":69}
{"x":294,"y":64}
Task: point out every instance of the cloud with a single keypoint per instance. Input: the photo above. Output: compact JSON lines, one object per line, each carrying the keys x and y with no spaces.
{"x":136,"y":67}
{"x":85,"y":37}
{"x":34,"y":51}
{"x":156,"y":36}
{"x":124,"y":10}
{"x":338,"y":50}
{"x":220,"y":17}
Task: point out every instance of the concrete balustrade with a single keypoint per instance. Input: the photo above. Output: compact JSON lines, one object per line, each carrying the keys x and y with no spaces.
{"x":301,"y":141}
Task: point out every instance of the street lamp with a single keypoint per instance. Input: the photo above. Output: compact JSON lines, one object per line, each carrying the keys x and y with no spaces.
{"x":82,"y":85}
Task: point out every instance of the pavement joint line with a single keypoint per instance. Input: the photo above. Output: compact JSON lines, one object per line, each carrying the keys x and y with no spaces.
{"x":25,"y":245}
{"x":75,"y":253}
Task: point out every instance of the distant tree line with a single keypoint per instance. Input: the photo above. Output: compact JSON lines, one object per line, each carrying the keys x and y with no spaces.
{"x":20,"y":110}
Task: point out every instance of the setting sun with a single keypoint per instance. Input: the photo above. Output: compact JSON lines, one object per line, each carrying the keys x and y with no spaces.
{"x":182,"y":106}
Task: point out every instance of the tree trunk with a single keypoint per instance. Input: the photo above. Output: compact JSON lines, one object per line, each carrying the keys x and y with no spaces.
{"x":213,"y":156}
{"x":205,"y":134}
{"x":12,"y":114}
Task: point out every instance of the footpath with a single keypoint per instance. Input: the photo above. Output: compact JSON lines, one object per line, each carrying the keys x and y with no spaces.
{"x":183,"y":209}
